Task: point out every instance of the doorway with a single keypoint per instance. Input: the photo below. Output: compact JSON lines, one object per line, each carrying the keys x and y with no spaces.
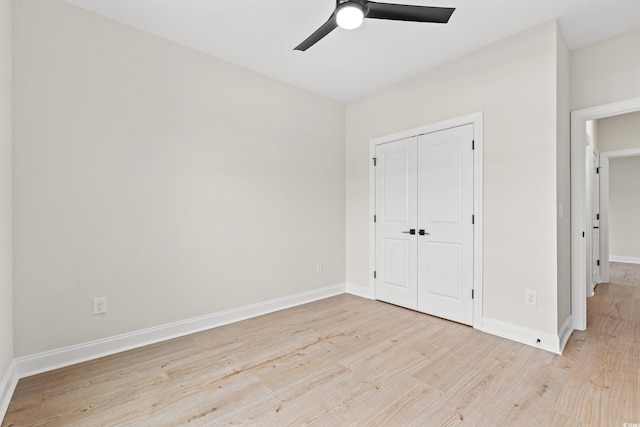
{"x":618,"y":252}
{"x":581,"y":220}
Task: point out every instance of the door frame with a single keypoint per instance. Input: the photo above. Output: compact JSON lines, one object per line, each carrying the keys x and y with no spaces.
{"x":579,"y":119}
{"x":604,"y":205}
{"x":477,"y":120}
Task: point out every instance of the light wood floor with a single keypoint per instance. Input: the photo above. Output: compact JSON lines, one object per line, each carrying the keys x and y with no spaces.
{"x":350,"y":361}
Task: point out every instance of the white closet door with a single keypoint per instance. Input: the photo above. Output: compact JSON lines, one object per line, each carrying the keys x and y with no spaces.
{"x":396,"y":247}
{"x":445,"y":209}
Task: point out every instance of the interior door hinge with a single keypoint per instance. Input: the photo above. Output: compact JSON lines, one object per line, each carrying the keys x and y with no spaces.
{"x":473,"y":144}
{"x":598,"y":263}
{"x":597,"y":170}
{"x":374,"y":274}
{"x":473,"y":219}
{"x":374,"y":218}
{"x":473,"y":294}
{"x":583,"y":234}
{"x":597,"y":216}
{"x":375,"y":161}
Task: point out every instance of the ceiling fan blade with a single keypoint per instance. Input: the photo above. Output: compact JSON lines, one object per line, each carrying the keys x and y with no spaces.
{"x":404,"y":12}
{"x":320,"y":33}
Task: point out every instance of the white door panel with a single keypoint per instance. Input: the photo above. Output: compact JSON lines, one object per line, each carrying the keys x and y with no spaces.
{"x":595,"y":262}
{"x":445,"y":209}
{"x":444,"y":277}
{"x":442,"y":185}
{"x":395,"y":167}
{"x":396,"y":214}
{"x":595,"y":212}
{"x":396,"y":254}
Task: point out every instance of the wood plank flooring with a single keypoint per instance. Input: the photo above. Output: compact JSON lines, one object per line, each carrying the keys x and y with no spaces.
{"x":347,"y":361}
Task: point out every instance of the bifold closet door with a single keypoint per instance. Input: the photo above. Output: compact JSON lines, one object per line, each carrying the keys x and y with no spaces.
{"x":445,"y":210}
{"x":396,"y":211}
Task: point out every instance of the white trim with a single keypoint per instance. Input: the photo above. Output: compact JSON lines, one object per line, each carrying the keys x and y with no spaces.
{"x":604,"y":218}
{"x":361,"y":291}
{"x":7,"y":387}
{"x":372,"y":224}
{"x":548,"y":342}
{"x":565,"y":333}
{"x":605,"y":256}
{"x":54,"y":359}
{"x":632,"y":152}
{"x":432,"y":127}
{"x":625,"y":259}
{"x":578,"y":197}
{"x":477,"y":120}
{"x":478,"y":231}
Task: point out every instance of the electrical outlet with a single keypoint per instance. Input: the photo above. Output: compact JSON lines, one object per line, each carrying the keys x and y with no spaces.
{"x":530,"y":298}
{"x":319,"y":269}
{"x":99,"y":305}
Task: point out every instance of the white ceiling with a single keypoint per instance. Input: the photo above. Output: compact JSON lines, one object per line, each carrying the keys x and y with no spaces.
{"x":346,"y":65}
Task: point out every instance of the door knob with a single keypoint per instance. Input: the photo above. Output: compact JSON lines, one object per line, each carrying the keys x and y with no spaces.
{"x":423,"y":233}
{"x":412,"y":231}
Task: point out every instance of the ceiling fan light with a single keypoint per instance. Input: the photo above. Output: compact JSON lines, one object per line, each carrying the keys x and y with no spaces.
{"x":349,"y":16}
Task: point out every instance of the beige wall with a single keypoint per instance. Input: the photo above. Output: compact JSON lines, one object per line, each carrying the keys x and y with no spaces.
{"x":6,"y":285}
{"x":606,"y":72}
{"x":172,"y":183}
{"x":514,"y":83}
{"x":563,"y":166}
{"x":619,"y":132}
{"x":624,"y":207}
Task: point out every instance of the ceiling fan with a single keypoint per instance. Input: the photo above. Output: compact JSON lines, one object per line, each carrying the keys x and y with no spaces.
{"x":349,"y":14}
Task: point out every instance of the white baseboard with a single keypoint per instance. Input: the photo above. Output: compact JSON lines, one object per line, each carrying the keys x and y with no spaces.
{"x":626,"y":259}
{"x":54,"y":359}
{"x":7,"y":387}
{"x":532,"y":337}
{"x":361,"y":291}
{"x":565,"y":332}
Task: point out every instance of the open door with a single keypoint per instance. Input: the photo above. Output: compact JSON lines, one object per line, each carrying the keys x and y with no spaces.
{"x":595,"y":222}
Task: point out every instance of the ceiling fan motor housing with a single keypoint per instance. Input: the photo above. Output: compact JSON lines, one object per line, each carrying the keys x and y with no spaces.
{"x":375,"y":10}
{"x":364,"y":4}
{"x":349,"y":15}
